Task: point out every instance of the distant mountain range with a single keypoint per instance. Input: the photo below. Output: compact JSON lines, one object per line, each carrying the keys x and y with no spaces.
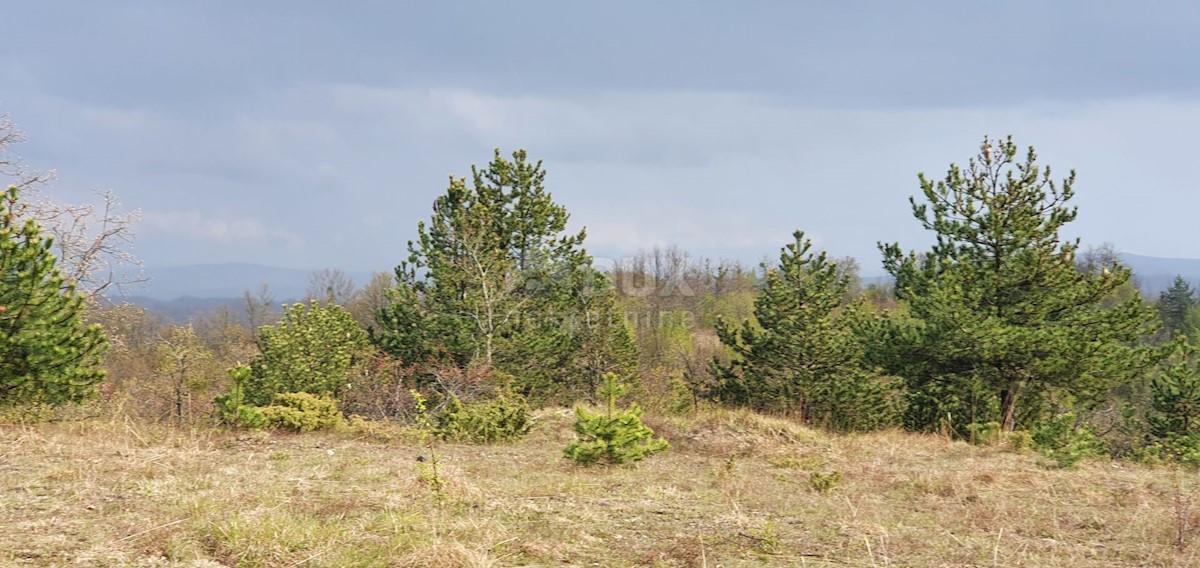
{"x":1154,"y":274}
{"x":179,"y":291}
{"x":231,"y":280}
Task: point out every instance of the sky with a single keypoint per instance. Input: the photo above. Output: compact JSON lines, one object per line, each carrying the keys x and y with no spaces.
{"x":307,"y":134}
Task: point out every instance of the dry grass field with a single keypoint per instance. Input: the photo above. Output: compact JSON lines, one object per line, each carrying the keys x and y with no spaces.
{"x":737,"y":489}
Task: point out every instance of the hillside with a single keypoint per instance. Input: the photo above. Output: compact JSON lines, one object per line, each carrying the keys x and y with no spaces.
{"x":737,"y":489}
{"x":198,"y":285}
{"x":229,"y":280}
{"x":1155,"y":274}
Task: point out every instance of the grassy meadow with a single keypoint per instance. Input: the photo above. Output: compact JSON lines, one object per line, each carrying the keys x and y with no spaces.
{"x":736,"y":489}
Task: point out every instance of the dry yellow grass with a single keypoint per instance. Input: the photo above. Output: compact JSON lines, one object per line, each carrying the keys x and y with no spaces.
{"x":735,"y":490}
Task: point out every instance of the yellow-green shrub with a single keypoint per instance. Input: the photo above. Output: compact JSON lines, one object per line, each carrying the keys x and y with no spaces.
{"x":302,"y":412}
{"x":502,"y":419}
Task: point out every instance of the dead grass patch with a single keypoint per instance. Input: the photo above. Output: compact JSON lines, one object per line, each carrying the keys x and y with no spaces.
{"x":735,"y":490}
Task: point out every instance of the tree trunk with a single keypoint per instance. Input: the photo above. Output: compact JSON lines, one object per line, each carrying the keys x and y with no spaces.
{"x":179,"y":401}
{"x":488,"y":348}
{"x":1008,"y":409}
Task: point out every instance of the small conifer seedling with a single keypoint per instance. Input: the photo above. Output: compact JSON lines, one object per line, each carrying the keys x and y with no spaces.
{"x":614,"y":436}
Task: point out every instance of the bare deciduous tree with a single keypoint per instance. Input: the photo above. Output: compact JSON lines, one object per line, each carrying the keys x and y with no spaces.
{"x":260,"y":308}
{"x":371,"y":298}
{"x":92,"y":239}
{"x":330,"y":286}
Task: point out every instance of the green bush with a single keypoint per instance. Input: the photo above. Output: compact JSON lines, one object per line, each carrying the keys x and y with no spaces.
{"x":985,"y":434}
{"x":1020,"y":440}
{"x":313,"y":349}
{"x":505,"y":418}
{"x":302,"y":412}
{"x":824,"y":482}
{"x":614,"y":436}
{"x":1175,"y":406}
{"x":231,"y":406}
{"x":1061,"y":440}
{"x":1183,"y":450}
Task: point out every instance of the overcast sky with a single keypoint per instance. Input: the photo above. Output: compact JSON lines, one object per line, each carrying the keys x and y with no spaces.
{"x":315,"y":134}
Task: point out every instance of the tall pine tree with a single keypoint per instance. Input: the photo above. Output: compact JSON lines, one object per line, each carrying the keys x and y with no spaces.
{"x":494,"y":279}
{"x":1175,"y":308}
{"x":47,"y":354}
{"x":799,"y":354}
{"x":997,"y":305}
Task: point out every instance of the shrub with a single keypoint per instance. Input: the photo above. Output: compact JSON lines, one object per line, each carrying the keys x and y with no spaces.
{"x":984,"y":434}
{"x":377,"y":430}
{"x":231,"y":406}
{"x":1020,"y":440}
{"x":502,"y":419}
{"x":1183,"y":450}
{"x":824,"y":482}
{"x":1175,"y":406}
{"x":429,"y":471}
{"x":312,"y":350}
{"x":614,"y":436}
{"x":1062,"y":441}
{"x":302,"y":412}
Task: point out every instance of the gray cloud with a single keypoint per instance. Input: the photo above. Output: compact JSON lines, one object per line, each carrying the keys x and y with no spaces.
{"x":246,"y":130}
{"x":879,"y":54}
{"x":221,"y":229}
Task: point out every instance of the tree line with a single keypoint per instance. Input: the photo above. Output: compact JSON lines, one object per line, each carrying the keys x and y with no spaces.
{"x":1002,"y":326}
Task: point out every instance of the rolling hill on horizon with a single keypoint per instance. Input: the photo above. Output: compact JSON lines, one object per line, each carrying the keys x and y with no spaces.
{"x":230,"y":280}
{"x":1155,"y":274}
{"x":178,"y":291}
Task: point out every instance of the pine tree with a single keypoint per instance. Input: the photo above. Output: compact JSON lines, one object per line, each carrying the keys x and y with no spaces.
{"x":1175,"y":406}
{"x":800,"y":353}
{"x":602,"y":340}
{"x":997,"y":305}
{"x":47,"y":354}
{"x":614,"y":436}
{"x":311,"y":350}
{"x":1175,"y":306}
{"x":494,"y":280}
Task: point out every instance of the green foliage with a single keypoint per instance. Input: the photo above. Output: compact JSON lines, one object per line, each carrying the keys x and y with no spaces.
{"x":824,"y":482}
{"x":1175,"y":407}
{"x":47,"y":354}
{"x":601,"y":339}
{"x":35,"y":413}
{"x":766,"y":539}
{"x":1183,"y":450}
{"x":302,"y":412}
{"x":232,"y":407}
{"x":494,"y":280}
{"x":683,"y":398}
{"x":504,"y":418}
{"x":311,"y":350}
{"x":985,"y":434}
{"x":997,"y":307}
{"x":614,"y":436}
{"x":429,"y":469}
{"x":1019,"y":440}
{"x":1176,"y":308}
{"x":185,"y":361}
{"x":800,"y":353}
{"x":1063,"y":440}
